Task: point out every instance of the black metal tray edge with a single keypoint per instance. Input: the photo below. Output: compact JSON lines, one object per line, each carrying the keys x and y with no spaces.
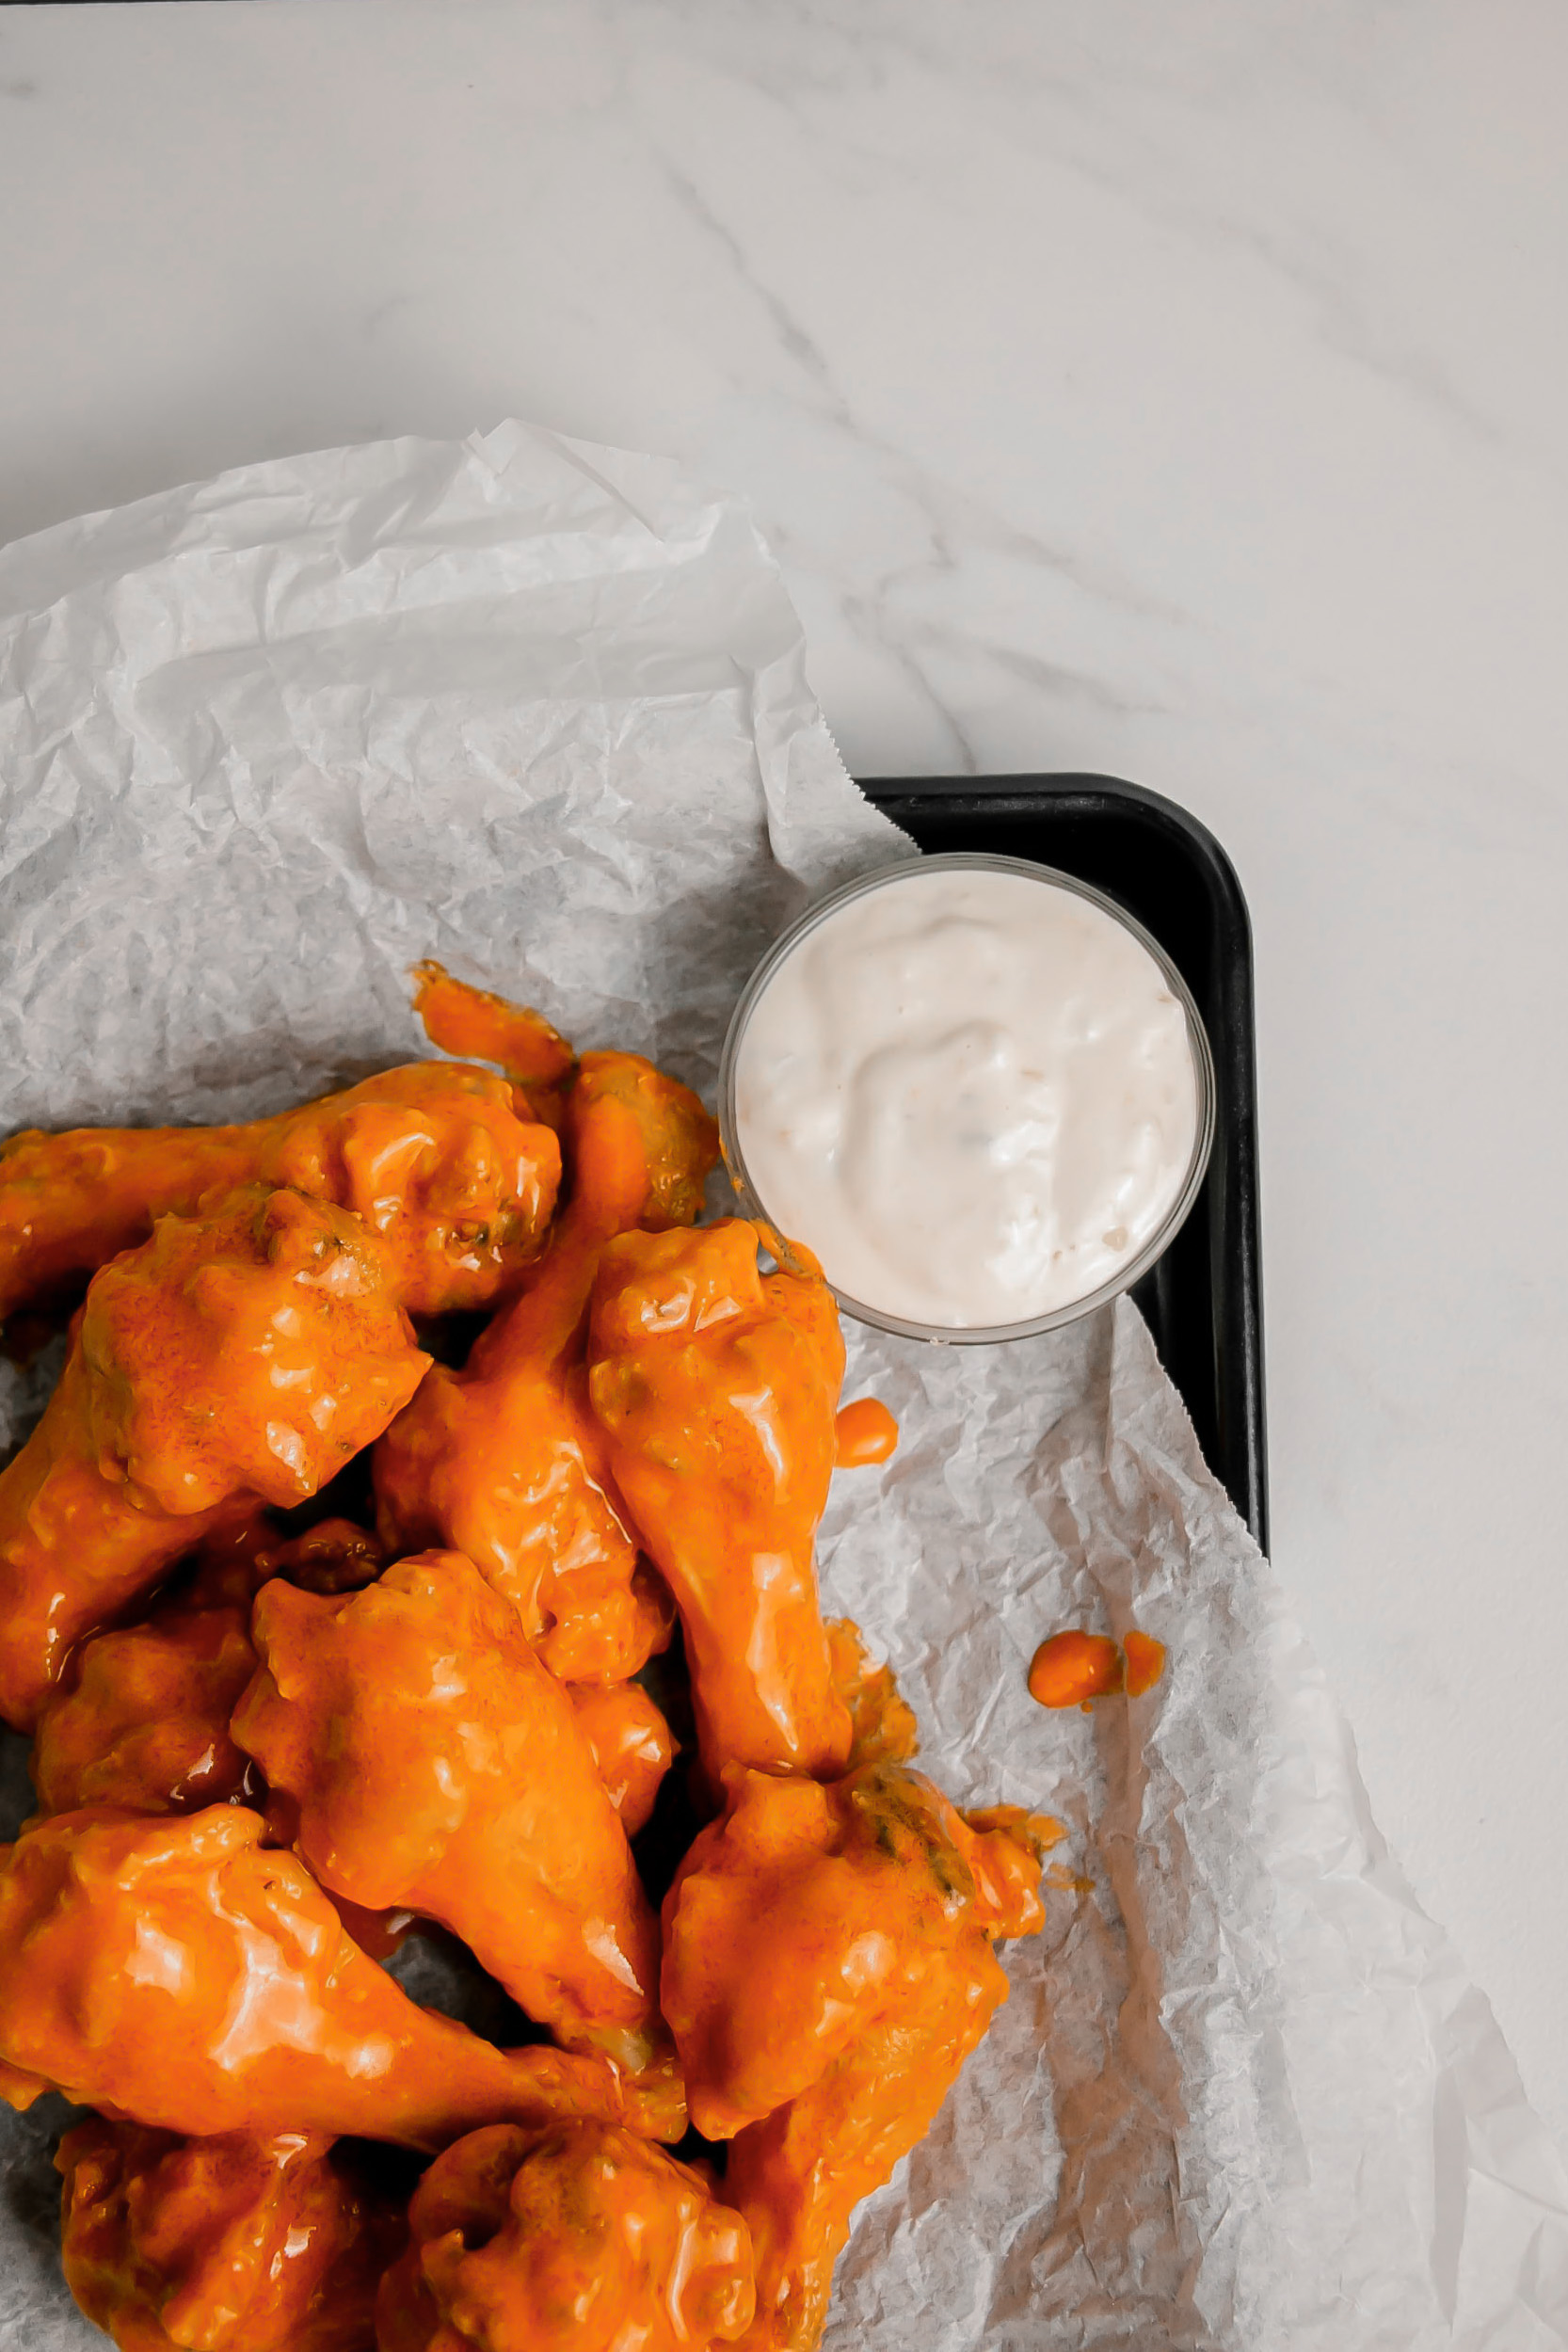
{"x":1204,"y":1301}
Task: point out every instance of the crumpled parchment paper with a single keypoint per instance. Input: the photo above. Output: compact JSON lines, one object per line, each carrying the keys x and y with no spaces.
{"x":540,"y":710}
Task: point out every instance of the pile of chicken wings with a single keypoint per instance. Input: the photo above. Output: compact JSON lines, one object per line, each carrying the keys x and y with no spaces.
{"x":273,"y":1730}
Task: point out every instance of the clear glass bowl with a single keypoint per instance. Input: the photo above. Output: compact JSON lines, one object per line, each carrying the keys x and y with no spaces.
{"x":888,"y":877}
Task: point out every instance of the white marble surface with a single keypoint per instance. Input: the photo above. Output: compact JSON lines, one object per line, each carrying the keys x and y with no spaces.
{"x":1178,"y":392}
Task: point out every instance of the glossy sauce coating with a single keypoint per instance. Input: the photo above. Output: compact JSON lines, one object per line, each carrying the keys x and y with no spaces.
{"x":435,"y":1764}
{"x":174,"y":1971}
{"x":231,"y":2243}
{"x":809,"y":1911}
{"x":503,"y":1461}
{"x":434,"y":1156}
{"x":143,"y":1720}
{"x":632,"y":1744}
{"x":576,"y":2238}
{"x":249,"y":1351}
{"x":1073,"y":1668}
{"x":797,"y":2176}
{"x":828,"y":1968}
{"x":76,"y":1548}
{"x":883,"y":1725}
{"x":718,"y":1388}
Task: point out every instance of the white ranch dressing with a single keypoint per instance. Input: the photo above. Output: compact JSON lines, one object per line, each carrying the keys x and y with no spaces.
{"x":971,"y":1093}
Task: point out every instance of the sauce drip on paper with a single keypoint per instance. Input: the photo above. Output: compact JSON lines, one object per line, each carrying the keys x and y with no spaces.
{"x":479,"y":1027}
{"x":1145,"y":1662}
{"x":1073,"y":1668}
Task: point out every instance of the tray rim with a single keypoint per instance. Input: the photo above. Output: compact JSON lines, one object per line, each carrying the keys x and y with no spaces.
{"x":1236,"y":1169}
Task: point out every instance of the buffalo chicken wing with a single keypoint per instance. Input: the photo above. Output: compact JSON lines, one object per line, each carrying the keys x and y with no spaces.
{"x":435,"y":1157}
{"x":716,"y":1389}
{"x":569,"y":2237}
{"x":249,"y":1351}
{"x":143,"y":1720}
{"x":175,"y":1972}
{"x":432,"y":1762}
{"x":231,"y":2243}
{"x":504,"y":1461}
{"x":827,"y":1970}
{"x":296,"y":1751}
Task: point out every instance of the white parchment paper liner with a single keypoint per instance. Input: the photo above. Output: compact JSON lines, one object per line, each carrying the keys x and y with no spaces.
{"x":540,"y":710}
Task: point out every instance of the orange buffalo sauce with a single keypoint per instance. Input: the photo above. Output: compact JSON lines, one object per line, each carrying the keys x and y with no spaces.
{"x":1073,"y":1668}
{"x":715,"y":1388}
{"x":866,"y":1432}
{"x":1145,"y":1662}
{"x":479,"y":1027}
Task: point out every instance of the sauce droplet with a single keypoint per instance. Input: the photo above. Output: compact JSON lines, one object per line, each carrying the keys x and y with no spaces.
{"x":865,"y":1433}
{"x":1145,"y":1662}
{"x":1071,"y":1669}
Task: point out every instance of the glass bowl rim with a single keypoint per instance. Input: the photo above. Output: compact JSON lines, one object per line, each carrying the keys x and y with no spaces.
{"x":881,"y":877}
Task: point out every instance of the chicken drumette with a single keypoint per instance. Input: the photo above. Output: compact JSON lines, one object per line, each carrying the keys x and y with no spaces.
{"x":432,"y":1762}
{"x":244,"y":1352}
{"x":828,"y":1969}
{"x":715,"y":1388}
{"x":230,"y":2243}
{"x":503,"y":1461}
{"x":176,"y":1972}
{"x":570,"y":2237}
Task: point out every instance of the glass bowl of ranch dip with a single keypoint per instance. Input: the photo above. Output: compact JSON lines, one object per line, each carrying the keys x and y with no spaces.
{"x":975,"y":1089}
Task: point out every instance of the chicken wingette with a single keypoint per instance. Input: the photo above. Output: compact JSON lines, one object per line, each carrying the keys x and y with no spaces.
{"x":828,"y":1969}
{"x":432,"y":1762}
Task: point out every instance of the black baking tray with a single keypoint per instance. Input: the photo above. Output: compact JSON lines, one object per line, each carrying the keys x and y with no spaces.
{"x":1204,"y":1299}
